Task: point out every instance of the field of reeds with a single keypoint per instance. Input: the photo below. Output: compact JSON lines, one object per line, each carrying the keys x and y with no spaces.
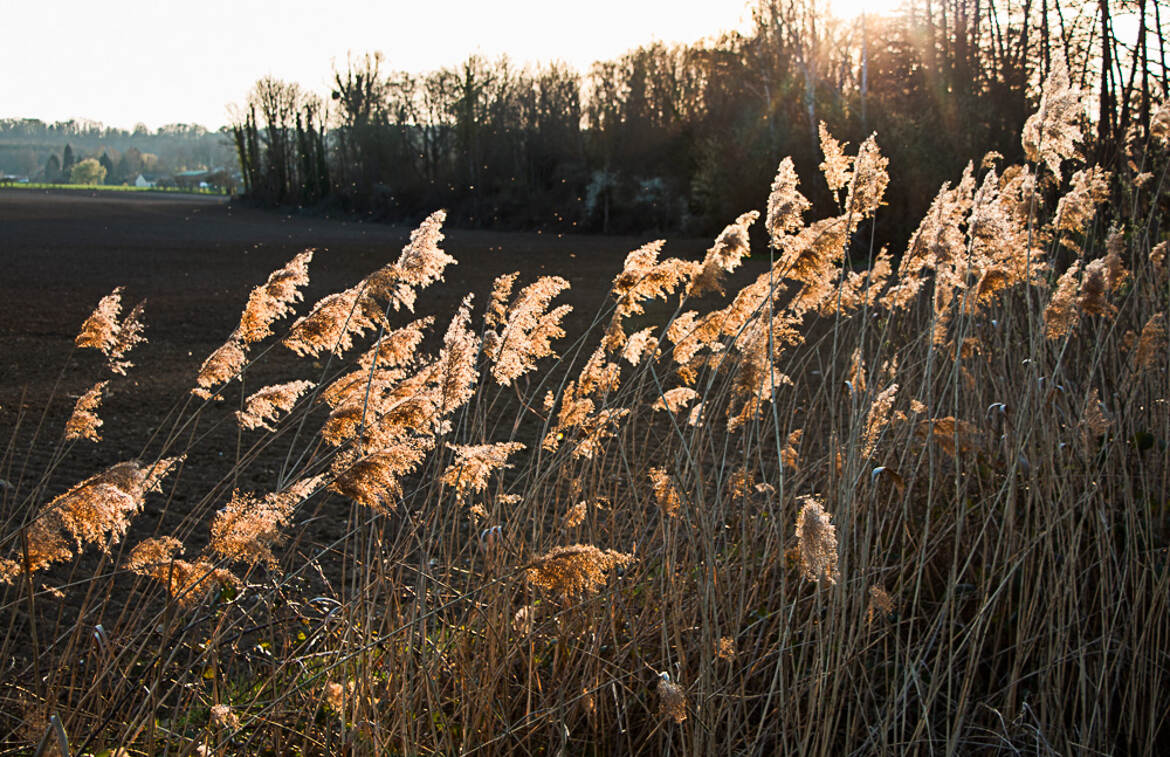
{"x":915,"y":507}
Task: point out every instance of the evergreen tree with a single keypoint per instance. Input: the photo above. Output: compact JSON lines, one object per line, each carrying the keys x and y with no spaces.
{"x":53,"y":168}
{"x":107,"y":164}
{"x":122,"y":172}
{"x":67,"y":160}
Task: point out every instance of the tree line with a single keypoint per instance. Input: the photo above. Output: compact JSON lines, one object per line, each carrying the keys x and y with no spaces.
{"x":44,"y":151}
{"x":686,"y":137}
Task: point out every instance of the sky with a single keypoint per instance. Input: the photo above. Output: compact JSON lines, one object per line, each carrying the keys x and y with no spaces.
{"x":157,"y":61}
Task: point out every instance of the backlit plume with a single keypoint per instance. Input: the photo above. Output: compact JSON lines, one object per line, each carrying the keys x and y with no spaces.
{"x":640,"y":344}
{"x":456,"y":369}
{"x":474,"y":465}
{"x":96,"y":511}
{"x":337,"y":318}
{"x":576,"y":569}
{"x":786,"y":206}
{"x":877,"y":419}
{"x":526,"y":329}
{"x":497,"y":311}
{"x":731,"y":246}
{"x":669,"y":500}
{"x":187,"y":582}
{"x":1061,"y":314}
{"x":267,"y":404}
{"x":84,"y":422}
{"x":220,"y":367}
{"x":816,"y":540}
{"x":421,"y":264}
{"x":1051,"y":133}
{"x":374,"y":479}
{"x":273,"y":299}
{"x":869,"y":182}
{"x":643,"y":277}
{"x":247,"y":527}
{"x":837,"y":166}
{"x":100,"y":329}
{"x":676,"y":399}
{"x":334,"y":321}
{"x":128,"y":336}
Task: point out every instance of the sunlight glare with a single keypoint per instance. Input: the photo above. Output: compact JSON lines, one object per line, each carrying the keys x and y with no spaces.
{"x":849,"y":9}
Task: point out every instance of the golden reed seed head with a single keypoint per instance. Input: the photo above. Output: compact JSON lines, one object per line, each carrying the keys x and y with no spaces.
{"x":1061,"y":313}
{"x":1151,"y":344}
{"x":644,"y":277}
{"x":497,"y":310}
{"x":247,"y":527}
{"x":1115,"y":272}
{"x":220,"y":367}
{"x":1158,"y":257}
{"x":1051,"y":133}
{"x":640,"y":344}
{"x":268,"y":403}
{"x":1074,"y":210}
{"x":273,"y":299}
{"x":576,"y":515}
{"x":128,"y":336}
{"x":816,"y":538}
{"x":103,"y":332}
{"x":1094,"y":287}
{"x":455,"y":372}
{"x":877,"y":419}
{"x":528,"y":327}
{"x":869,"y":182}
{"x":731,"y":246}
{"x":786,"y":206}
{"x":596,"y":429}
{"x":84,"y":422}
{"x":790,"y":456}
{"x":837,"y":166}
{"x":100,"y":330}
{"x":334,"y":321}
{"x":373,"y":479}
{"x":725,"y":648}
{"x":95,"y":511}
{"x":576,"y":569}
{"x":674,"y":400}
{"x":598,"y":375}
{"x":187,"y":582}
{"x":856,"y":380}
{"x":421,"y":264}
{"x":667,"y":496}
{"x":474,"y":465}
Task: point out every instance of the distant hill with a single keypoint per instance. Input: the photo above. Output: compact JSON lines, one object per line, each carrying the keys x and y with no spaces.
{"x":34,"y":149}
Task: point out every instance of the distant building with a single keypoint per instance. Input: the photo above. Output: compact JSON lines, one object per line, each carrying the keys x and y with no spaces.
{"x":142,"y":182}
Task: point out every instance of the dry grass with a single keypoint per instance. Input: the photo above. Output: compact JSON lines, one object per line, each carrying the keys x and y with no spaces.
{"x":841,"y":512}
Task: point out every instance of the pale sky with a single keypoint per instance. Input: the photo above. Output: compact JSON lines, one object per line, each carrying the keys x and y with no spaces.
{"x":159,"y":61}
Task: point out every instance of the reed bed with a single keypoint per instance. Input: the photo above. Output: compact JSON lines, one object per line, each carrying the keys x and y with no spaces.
{"x":919,"y":506}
